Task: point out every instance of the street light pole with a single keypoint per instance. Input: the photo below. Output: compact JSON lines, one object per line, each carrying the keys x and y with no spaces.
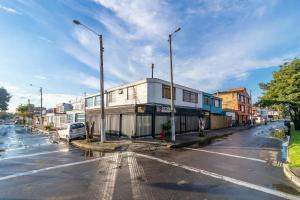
{"x":102,"y":91}
{"x":171,"y":88}
{"x":102,"y":121}
{"x":41,"y":91}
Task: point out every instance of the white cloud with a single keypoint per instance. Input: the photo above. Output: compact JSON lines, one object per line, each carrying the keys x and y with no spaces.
{"x":45,"y":39}
{"x":148,"y":18}
{"x":9,"y":10}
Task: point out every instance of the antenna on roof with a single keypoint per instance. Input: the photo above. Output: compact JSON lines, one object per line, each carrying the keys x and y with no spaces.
{"x":152,"y":68}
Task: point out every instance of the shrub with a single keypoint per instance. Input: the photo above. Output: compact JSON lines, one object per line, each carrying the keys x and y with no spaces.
{"x":47,"y":127}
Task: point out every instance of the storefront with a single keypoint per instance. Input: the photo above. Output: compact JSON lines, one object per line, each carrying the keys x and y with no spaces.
{"x":146,"y":120}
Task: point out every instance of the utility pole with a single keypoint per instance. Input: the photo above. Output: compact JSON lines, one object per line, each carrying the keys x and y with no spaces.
{"x":152,"y":67}
{"x":41,"y":122}
{"x":171,"y":88}
{"x":251,"y":109}
{"x":102,"y":117}
{"x":171,"y":91}
{"x":86,"y":135}
{"x":102,"y":91}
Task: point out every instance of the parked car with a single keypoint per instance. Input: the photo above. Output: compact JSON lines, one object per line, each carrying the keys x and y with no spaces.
{"x":72,"y":131}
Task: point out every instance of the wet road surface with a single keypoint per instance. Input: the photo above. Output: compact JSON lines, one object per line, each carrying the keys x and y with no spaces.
{"x":245,"y":165}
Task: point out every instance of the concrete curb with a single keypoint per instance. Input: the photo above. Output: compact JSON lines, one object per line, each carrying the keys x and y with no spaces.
{"x":200,"y":141}
{"x":92,"y":147}
{"x":290,"y":175}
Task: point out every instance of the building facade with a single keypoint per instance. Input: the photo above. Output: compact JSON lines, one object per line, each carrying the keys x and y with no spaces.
{"x":77,"y":113}
{"x":141,"y":108}
{"x":237,"y":100}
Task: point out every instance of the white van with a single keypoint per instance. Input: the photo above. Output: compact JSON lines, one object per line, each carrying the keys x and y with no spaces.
{"x":72,"y":131}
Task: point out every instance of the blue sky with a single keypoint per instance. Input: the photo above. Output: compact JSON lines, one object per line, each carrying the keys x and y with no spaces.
{"x":222,"y":44}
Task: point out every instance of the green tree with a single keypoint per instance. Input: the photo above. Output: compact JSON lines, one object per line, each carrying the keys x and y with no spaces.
{"x":284,"y":90}
{"x":23,"y":111}
{"x":4,"y":99}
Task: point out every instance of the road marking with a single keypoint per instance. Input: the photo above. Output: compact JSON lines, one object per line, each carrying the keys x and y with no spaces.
{"x":226,"y":178}
{"x":112,"y":166}
{"x":136,"y":174}
{"x":226,"y":154}
{"x":34,"y":154}
{"x":50,"y":168}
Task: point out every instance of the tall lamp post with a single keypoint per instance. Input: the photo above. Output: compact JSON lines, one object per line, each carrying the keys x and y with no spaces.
{"x":171,"y":88}
{"x":41,"y":111}
{"x":102,"y":124}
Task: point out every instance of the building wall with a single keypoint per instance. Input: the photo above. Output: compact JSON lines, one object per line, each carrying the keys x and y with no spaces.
{"x":121,"y":98}
{"x":211,"y":106}
{"x":155,"y":95}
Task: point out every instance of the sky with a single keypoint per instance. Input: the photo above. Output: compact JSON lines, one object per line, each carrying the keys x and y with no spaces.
{"x":222,"y":44}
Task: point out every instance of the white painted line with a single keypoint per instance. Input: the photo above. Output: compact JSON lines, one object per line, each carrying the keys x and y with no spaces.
{"x":226,"y":178}
{"x":226,"y":154}
{"x":34,"y":154}
{"x":49,"y":168}
{"x":112,"y":168}
{"x":137,"y":172}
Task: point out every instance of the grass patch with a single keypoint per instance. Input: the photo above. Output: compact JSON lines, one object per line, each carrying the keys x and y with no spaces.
{"x":294,"y":148}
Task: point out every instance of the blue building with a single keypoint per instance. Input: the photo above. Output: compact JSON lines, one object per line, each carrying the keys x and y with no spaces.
{"x":212,"y":105}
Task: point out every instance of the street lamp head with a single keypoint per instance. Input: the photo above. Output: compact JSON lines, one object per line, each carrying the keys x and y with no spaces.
{"x":178,"y":29}
{"x":76,"y":22}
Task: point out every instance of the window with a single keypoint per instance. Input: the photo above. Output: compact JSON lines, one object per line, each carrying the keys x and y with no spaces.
{"x":112,"y":96}
{"x":190,"y":96}
{"x":90,"y":102}
{"x":79,"y":117}
{"x":166,"y":92}
{"x":217,"y":103}
{"x":243,"y":108}
{"x":131,"y":93}
{"x":206,"y":100}
{"x":240,"y":108}
{"x":97,"y":100}
{"x":70,"y":118}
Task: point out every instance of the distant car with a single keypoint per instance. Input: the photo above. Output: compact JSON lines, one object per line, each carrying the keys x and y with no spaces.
{"x":72,"y":131}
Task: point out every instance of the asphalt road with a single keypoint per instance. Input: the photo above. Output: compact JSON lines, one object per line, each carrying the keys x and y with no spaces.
{"x":245,"y":165}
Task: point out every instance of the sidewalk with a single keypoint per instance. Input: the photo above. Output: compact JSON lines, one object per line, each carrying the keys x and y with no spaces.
{"x":187,"y":139}
{"x":292,"y":169}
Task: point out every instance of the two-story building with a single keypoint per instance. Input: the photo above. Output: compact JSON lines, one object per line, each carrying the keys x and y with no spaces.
{"x":77,"y":113}
{"x":140,"y":108}
{"x":212,"y":106}
{"x":237,"y":100}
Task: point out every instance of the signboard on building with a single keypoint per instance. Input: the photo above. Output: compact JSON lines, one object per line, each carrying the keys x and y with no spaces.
{"x":164,"y":109}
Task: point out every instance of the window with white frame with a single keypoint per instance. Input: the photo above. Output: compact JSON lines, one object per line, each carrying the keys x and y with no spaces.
{"x":97,"y":100}
{"x":131,"y":92}
{"x":166,"y":92}
{"x":189,"y":96}
{"x":217,"y":103}
{"x":112,"y":96}
{"x":90,"y":102}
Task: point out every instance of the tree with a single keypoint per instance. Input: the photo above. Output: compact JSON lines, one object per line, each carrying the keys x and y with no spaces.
{"x":4,"y":99}
{"x":284,"y":89}
{"x":23,"y":111}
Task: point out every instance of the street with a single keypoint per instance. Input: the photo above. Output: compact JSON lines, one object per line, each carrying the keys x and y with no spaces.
{"x":245,"y":165}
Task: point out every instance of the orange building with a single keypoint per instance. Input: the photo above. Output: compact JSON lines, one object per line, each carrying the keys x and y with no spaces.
{"x":237,"y":100}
